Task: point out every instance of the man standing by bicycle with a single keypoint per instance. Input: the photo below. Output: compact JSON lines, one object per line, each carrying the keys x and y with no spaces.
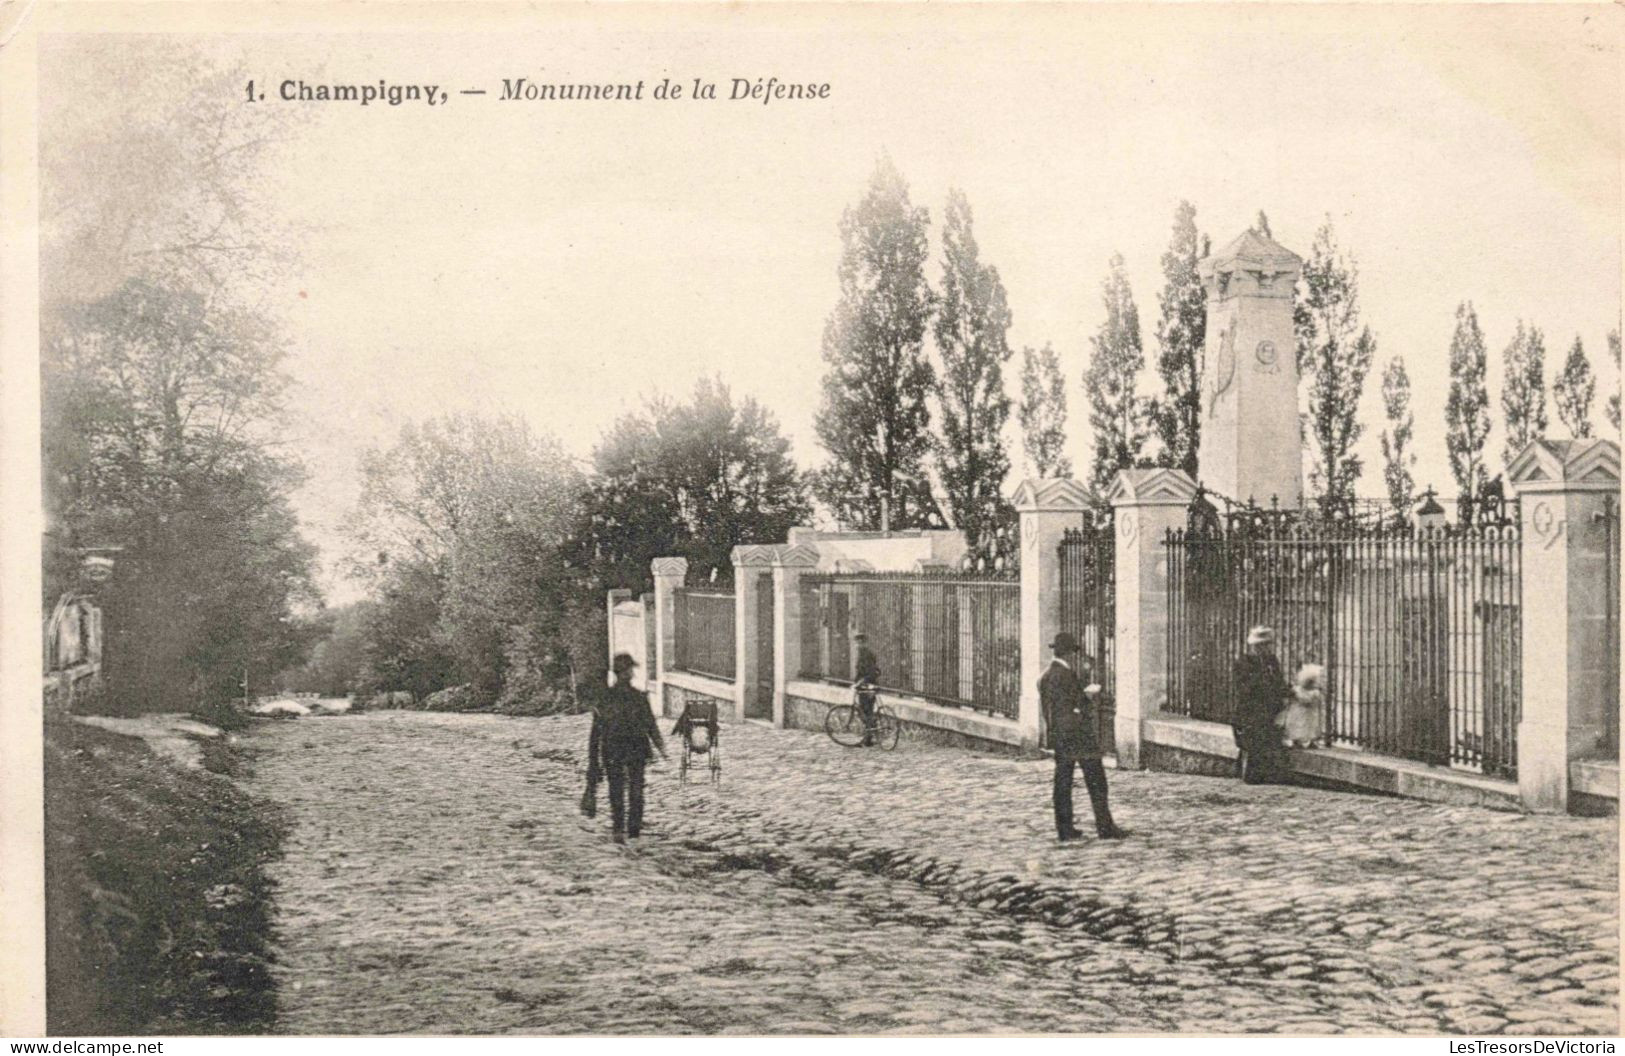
{"x":866,"y":673}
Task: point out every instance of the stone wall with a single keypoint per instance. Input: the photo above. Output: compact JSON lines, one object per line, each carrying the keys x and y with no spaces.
{"x":1185,"y":761}
{"x":674,"y":698}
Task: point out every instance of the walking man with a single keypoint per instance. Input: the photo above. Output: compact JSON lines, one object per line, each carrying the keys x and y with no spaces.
{"x":623,"y":731}
{"x":867,"y":674}
{"x":1261,"y":693}
{"x":1069,"y":711}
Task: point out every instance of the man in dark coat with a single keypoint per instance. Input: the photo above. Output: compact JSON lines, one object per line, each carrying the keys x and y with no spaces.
{"x":1261,"y":693}
{"x":866,"y":672}
{"x":623,"y":731}
{"x":1069,"y":712}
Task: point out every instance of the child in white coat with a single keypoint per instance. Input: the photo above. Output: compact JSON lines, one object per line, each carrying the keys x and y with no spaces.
{"x":1302,"y":720}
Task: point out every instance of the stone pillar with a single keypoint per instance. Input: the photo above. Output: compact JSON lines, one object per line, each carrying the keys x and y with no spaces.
{"x":615,"y":597}
{"x":669,"y":573}
{"x":1250,"y":442}
{"x":1047,"y":508}
{"x":751,"y":699}
{"x":788,"y":565}
{"x":1564,"y":489}
{"x":914,"y":678}
{"x":649,"y":658}
{"x":1145,"y":504}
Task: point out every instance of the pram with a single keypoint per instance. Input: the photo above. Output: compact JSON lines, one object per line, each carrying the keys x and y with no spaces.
{"x":698,"y":728}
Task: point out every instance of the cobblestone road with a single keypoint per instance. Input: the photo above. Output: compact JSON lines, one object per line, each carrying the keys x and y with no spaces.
{"x":439,"y":880}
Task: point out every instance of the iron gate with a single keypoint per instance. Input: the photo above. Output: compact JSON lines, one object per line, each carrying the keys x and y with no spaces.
{"x":1420,"y":631}
{"x":1088,"y":558}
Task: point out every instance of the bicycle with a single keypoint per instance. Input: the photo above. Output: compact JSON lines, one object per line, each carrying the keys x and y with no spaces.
{"x":844,"y":724}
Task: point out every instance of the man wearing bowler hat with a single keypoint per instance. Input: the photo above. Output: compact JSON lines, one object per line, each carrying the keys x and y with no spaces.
{"x":623,"y":731}
{"x":1069,"y":711}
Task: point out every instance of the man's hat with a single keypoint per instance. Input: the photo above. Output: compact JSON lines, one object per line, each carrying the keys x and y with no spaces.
{"x":623,"y":662}
{"x":1260,"y":635}
{"x":1065,"y":642}
{"x":860,"y":637}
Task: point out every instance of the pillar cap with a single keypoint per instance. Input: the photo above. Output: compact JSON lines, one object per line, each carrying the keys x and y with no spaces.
{"x":669,"y":566}
{"x":1052,"y":495}
{"x":798,"y":556}
{"x":755,"y":555}
{"x":1152,"y":487}
{"x":1566,"y":465}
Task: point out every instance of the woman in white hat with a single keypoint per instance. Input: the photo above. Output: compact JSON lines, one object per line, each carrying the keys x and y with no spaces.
{"x":1261,"y":693}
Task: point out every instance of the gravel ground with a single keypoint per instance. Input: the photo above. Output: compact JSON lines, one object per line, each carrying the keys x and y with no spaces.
{"x":438,"y":879}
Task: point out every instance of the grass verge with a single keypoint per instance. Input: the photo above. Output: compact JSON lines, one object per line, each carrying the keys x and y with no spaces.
{"x":157,"y":902}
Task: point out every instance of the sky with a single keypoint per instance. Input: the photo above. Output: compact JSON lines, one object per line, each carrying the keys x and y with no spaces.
{"x":563,"y":261}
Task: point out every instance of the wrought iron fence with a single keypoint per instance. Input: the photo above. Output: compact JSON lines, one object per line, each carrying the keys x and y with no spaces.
{"x":951,"y":638}
{"x":1419,"y":631}
{"x":704,"y":631}
{"x":1089,"y":608}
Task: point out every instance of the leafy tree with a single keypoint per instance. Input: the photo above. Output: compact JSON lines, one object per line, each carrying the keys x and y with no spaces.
{"x":1467,"y":411}
{"x":630,"y":515}
{"x":471,"y":517}
{"x":692,"y":480}
{"x":162,"y":391}
{"x":1181,"y":332}
{"x":1613,"y":399}
{"x":971,"y":327}
{"x":161,"y":179}
{"x":1335,"y":356}
{"x":1042,"y":413}
{"x":1573,"y":391}
{"x":1523,"y":391}
{"x":403,"y":648}
{"x":1117,"y":414}
{"x":873,"y":419}
{"x":337,"y":663}
{"x":160,"y":407}
{"x":728,"y":468}
{"x":1398,"y":460}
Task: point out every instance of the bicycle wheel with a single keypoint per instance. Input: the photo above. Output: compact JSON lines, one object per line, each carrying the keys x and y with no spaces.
{"x":887,"y":728}
{"x":844,"y":725}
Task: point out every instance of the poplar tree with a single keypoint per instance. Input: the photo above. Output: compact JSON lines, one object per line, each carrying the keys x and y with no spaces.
{"x":1398,"y":460}
{"x":1042,"y":413}
{"x":1613,"y":400}
{"x":1181,"y":332}
{"x":1523,"y":390}
{"x":1335,"y":355}
{"x":873,"y":419}
{"x":1467,"y":411}
{"x":1573,"y":390}
{"x":971,"y":328}
{"x":1117,"y":415}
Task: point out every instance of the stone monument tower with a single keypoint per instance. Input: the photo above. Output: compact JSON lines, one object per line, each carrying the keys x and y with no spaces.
{"x":1250,"y":446}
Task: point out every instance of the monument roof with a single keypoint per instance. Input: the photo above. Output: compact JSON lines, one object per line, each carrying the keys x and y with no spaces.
{"x":1252,"y":248}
